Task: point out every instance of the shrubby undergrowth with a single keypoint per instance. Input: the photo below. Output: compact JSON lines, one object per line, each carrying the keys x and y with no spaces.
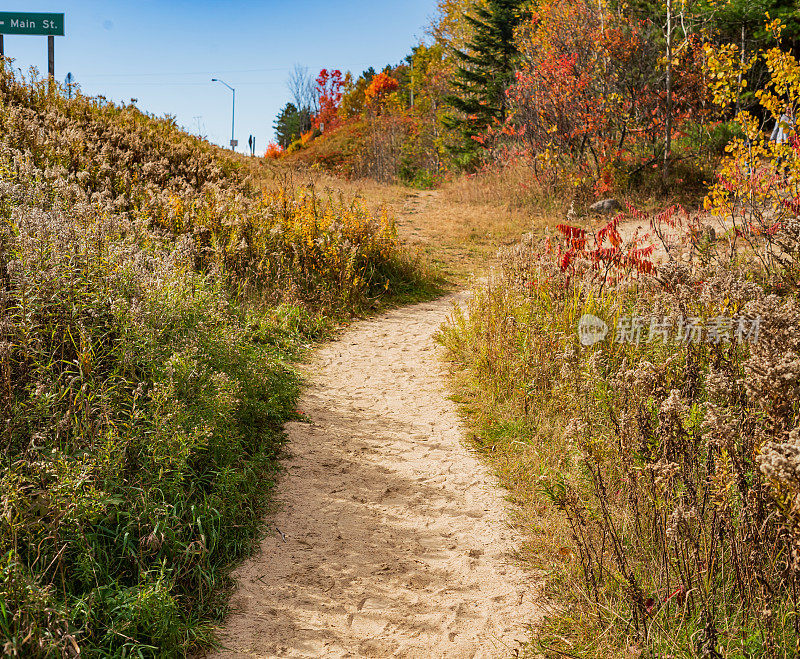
{"x":150,"y":298}
{"x":676,"y":471}
{"x":668,"y":449}
{"x":675,"y":468}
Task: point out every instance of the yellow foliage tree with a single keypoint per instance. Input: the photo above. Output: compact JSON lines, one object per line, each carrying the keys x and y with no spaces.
{"x":756,"y":191}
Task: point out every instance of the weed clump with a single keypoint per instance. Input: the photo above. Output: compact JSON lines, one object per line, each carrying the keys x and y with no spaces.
{"x":668,"y":443}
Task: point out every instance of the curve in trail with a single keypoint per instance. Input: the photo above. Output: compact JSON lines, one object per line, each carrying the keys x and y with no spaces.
{"x":390,"y":538}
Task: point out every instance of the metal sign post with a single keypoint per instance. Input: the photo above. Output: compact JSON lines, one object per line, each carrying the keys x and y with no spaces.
{"x":34,"y":24}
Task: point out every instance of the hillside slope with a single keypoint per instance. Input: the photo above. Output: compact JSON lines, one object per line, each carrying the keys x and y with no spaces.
{"x":152,"y":296}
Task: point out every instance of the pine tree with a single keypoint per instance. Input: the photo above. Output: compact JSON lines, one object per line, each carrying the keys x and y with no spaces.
{"x":484,"y":72}
{"x":291,"y":124}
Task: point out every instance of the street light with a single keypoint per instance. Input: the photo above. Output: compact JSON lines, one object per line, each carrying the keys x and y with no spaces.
{"x":233,"y":110}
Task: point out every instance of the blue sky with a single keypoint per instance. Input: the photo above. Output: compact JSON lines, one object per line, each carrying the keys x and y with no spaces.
{"x":165,"y":52}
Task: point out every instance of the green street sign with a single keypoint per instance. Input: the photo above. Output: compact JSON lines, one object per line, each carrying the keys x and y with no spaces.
{"x":20,"y":22}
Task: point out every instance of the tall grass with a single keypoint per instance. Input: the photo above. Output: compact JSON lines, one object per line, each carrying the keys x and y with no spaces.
{"x":517,"y":184}
{"x":667,"y":472}
{"x":151,"y":300}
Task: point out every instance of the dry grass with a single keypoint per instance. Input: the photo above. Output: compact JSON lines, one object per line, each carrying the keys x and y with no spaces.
{"x":672,"y":530}
{"x":518,"y":190}
{"x":458,"y":237}
{"x":517,"y":187}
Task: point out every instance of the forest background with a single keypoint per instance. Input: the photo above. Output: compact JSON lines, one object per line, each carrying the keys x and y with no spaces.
{"x":569,"y":99}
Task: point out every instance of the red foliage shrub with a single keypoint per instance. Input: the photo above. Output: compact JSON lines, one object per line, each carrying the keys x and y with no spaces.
{"x":274,"y":151}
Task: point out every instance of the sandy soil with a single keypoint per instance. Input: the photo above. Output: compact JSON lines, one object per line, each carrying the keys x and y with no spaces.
{"x":390,"y":538}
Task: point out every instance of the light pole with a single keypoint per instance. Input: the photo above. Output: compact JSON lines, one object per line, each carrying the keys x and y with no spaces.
{"x":233,"y":109}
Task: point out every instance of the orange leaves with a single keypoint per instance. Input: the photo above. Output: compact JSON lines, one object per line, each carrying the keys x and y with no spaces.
{"x":561,"y":96}
{"x":762,"y":229}
{"x":381,"y":86}
{"x":605,"y":183}
{"x":571,"y":232}
{"x":635,"y":213}
{"x":669,"y":216}
{"x":611,"y":232}
{"x":274,"y":151}
{"x":793,"y":204}
{"x":590,"y":90}
{"x":575,"y":237}
{"x":566,"y":259}
{"x":306,"y":137}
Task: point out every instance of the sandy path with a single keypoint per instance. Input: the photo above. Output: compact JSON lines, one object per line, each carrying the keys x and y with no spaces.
{"x":396,"y":543}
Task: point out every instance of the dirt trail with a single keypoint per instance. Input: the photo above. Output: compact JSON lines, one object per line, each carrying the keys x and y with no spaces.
{"x":391,"y":538}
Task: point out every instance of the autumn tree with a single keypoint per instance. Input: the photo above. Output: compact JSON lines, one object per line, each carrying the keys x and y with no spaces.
{"x":484,"y":71}
{"x":589,"y":95}
{"x":449,"y":27}
{"x":566,"y":104}
{"x":353,"y":99}
{"x":381,"y":86}
{"x":761,"y":203}
{"x":329,"y":88}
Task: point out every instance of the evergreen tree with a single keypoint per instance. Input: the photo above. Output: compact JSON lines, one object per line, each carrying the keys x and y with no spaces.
{"x":369,"y":74}
{"x":291,"y":124}
{"x":484,"y":72}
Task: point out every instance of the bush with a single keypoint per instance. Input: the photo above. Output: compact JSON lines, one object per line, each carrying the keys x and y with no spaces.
{"x":143,"y":426}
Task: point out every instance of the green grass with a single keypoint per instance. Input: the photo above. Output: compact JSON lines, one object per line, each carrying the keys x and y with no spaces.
{"x":121,"y":529}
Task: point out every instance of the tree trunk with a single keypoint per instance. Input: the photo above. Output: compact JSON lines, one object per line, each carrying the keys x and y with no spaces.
{"x":739,"y":77}
{"x":668,"y":109}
